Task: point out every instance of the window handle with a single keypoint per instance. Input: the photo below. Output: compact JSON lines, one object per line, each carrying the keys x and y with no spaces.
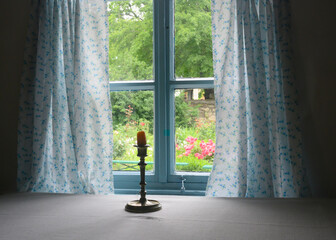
{"x":182,"y":182}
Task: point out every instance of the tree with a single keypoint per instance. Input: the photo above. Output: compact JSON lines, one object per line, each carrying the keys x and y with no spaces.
{"x":131,"y":39}
{"x":193,"y":41}
{"x":141,"y":103}
{"x":131,"y":51}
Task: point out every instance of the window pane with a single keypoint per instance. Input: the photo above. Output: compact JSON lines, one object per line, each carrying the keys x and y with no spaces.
{"x":130,"y":40}
{"x":195,"y":129}
{"x":193,"y":44}
{"x":132,"y":111}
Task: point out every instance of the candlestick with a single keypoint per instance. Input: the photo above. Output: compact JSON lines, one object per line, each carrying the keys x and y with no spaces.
{"x":142,"y":205}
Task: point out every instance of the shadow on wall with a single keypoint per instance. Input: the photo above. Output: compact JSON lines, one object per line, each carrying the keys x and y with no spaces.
{"x":315,"y":50}
{"x":13,"y":24}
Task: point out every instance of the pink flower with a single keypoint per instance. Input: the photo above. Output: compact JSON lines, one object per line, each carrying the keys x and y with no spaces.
{"x":142,"y":124}
{"x":207,"y":148}
{"x":189,"y":147}
{"x":186,"y":153}
{"x":199,"y":156}
{"x":191,"y":140}
{"x":177,"y":146}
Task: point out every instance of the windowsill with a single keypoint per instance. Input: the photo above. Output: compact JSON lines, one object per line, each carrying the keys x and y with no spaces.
{"x":128,"y":183}
{"x":150,"y":173}
{"x":160,"y":192}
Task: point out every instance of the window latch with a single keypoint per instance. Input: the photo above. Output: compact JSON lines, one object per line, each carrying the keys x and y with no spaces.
{"x":182,"y":182}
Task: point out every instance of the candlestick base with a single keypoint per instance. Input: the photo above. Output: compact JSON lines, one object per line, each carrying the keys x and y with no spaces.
{"x":137,"y":207}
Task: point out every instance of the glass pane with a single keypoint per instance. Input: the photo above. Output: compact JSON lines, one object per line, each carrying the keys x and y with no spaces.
{"x":193,"y":44}
{"x":195,"y":129}
{"x":132,"y":111}
{"x":130,"y":40}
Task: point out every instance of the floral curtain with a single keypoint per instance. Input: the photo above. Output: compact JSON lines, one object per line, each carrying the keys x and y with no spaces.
{"x":259,"y":144}
{"x":65,"y":122}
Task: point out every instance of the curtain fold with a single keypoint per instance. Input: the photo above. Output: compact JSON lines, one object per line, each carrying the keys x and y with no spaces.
{"x":259,"y":143}
{"x":65,"y":122}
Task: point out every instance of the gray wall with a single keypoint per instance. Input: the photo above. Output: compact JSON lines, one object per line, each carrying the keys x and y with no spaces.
{"x":313,"y":25}
{"x":13,"y":24}
{"x":314,"y":47}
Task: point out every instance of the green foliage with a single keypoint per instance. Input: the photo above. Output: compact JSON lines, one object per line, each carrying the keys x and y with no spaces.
{"x":131,"y":58}
{"x":206,"y":129}
{"x":141,"y":103}
{"x":124,"y":137}
{"x":131,"y":53}
{"x":131,"y":39}
{"x":185,"y":114}
{"x":194,"y":164}
{"x":193,"y":38}
{"x":203,"y":130}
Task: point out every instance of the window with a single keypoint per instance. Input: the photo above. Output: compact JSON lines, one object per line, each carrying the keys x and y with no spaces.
{"x":161,"y":82}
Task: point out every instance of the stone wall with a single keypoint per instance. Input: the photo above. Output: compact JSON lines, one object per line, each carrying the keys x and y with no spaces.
{"x":207,"y":109}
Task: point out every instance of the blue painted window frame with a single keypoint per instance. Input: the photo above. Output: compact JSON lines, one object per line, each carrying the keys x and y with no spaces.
{"x":164,"y":179}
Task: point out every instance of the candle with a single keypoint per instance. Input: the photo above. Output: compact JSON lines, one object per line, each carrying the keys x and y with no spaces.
{"x":141,"y":137}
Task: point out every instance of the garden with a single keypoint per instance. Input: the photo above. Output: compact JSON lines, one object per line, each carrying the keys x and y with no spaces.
{"x":194,"y":135}
{"x":131,"y":59}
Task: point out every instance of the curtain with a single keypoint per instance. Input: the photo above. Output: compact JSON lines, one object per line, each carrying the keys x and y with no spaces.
{"x":65,"y":122}
{"x":259,"y":143}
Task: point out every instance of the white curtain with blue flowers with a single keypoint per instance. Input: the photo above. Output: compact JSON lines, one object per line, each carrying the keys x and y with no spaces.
{"x":259,"y":144}
{"x":65,"y":125}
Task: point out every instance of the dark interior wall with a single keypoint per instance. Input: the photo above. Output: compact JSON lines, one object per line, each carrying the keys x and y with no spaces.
{"x":314,"y":38}
{"x":13,"y":24}
{"x":315,"y":50}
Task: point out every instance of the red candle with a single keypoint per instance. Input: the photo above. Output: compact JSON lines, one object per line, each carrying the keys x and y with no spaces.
{"x":141,"y":138}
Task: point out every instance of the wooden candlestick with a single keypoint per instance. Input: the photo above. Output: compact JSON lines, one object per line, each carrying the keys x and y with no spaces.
{"x":142,"y":205}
